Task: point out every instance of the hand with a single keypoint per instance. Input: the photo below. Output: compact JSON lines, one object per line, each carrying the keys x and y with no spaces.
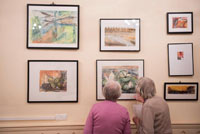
{"x":136,"y":120}
{"x":139,"y":98}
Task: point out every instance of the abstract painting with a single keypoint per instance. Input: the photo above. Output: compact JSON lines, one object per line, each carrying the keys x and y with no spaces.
{"x":53,"y":26}
{"x":181,"y":91}
{"x":125,"y":72}
{"x":119,"y":34}
{"x":179,"y":22}
{"x":52,"y":81}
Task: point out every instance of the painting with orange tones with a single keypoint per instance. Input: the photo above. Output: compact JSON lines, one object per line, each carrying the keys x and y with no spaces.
{"x":185,"y":91}
{"x":53,"y":26}
{"x":53,"y":81}
{"x":180,"y":22}
{"x":120,"y":34}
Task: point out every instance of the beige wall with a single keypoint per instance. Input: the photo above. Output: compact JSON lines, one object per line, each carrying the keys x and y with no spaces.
{"x":154,"y":40}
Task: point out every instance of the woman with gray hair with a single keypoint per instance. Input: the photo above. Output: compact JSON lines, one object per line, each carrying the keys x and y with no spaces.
{"x":108,"y":117}
{"x":155,"y":118}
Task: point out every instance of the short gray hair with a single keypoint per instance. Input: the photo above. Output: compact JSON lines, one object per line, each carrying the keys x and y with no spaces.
{"x":146,"y":87}
{"x":112,"y":90}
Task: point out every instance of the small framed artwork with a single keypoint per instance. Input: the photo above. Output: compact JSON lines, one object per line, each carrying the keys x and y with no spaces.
{"x":126,"y":72}
{"x":181,"y":91}
{"x":119,"y":34}
{"x":180,"y":59}
{"x":52,"y":81}
{"x":52,"y":26}
{"x":179,"y":22}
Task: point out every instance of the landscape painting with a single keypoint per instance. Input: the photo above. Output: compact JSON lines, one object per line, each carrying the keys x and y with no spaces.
{"x":53,"y":81}
{"x":119,"y":36}
{"x":53,"y":27}
{"x":127,"y":77}
{"x":181,"y":91}
{"x":184,"y":89}
{"x":125,"y":72}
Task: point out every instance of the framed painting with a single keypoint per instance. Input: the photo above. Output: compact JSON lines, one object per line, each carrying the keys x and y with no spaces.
{"x":126,"y":72}
{"x":179,"y":22}
{"x":119,"y":34}
{"x":52,"y":81}
{"x":180,"y":59}
{"x":52,"y":26}
{"x":181,"y":91}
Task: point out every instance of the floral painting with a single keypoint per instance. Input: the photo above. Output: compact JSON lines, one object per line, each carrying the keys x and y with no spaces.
{"x":124,"y":71}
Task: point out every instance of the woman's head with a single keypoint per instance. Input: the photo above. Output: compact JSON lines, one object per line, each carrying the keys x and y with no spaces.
{"x":112,"y":90}
{"x":146,"y":88}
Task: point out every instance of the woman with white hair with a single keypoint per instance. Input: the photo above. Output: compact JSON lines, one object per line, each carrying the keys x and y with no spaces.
{"x":108,"y":117}
{"x":155,"y":118}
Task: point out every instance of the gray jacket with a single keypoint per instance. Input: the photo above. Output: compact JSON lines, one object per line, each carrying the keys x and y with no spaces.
{"x":155,"y":117}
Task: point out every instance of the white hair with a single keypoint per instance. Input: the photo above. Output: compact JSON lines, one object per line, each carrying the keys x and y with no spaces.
{"x":112,"y":90}
{"x":146,"y":87}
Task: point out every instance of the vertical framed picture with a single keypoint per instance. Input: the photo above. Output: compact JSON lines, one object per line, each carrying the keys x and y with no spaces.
{"x":179,"y":22}
{"x":119,"y":34}
{"x":174,"y":91}
{"x":180,"y":59}
{"x":126,"y":72}
{"x":52,"y":81}
{"x":52,"y":26}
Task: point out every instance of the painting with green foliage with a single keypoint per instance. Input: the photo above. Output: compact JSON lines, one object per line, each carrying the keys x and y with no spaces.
{"x":53,"y":27}
{"x":127,"y":77}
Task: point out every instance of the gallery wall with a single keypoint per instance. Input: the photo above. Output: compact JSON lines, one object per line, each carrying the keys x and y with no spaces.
{"x":154,"y":40}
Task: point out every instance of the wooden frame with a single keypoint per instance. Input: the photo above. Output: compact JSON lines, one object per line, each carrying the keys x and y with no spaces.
{"x":180,"y":59}
{"x":52,"y":26}
{"x":187,"y":91}
{"x":126,"y":72}
{"x":52,"y":81}
{"x":120,"y":34}
{"x":179,"y":22}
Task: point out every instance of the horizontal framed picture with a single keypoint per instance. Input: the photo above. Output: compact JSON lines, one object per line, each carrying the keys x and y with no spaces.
{"x":181,"y":91}
{"x":179,"y":22}
{"x":52,"y":81}
{"x":126,"y":72}
{"x":119,"y":34}
{"x":180,"y":59}
{"x":52,"y":26}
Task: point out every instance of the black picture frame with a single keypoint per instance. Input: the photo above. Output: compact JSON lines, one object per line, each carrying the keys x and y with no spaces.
{"x":181,"y":91}
{"x":132,"y":68}
{"x":180,"y":59}
{"x":52,"y":81}
{"x":45,"y":30}
{"x":126,"y":37}
{"x":180,"y":22}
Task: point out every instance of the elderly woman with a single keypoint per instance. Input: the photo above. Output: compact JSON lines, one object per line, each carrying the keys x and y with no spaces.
{"x":108,"y":117}
{"x":155,"y":118}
